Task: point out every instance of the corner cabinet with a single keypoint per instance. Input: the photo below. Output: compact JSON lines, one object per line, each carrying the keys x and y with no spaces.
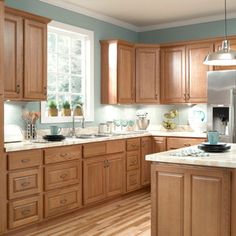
{"x":193,"y":200}
{"x":117,"y":72}
{"x":183,"y":74}
{"x":147,"y":59}
{"x":25,"y":56}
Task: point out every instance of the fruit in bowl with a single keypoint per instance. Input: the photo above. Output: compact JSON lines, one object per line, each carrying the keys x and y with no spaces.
{"x":169,"y":125}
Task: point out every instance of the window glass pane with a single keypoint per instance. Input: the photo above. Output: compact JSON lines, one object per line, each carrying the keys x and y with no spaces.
{"x":52,"y":42}
{"x":51,"y":97}
{"x":76,"y":65}
{"x":76,"y":84}
{"x":61,"y":99}
{"x":52,"y":62}
{"x":63,"y":83}
{"x":76,"y":46}
{"x":52,"y":79}
{"x":63,"y":64}
{"x":75,"y":100}
{"x":63,"y":44}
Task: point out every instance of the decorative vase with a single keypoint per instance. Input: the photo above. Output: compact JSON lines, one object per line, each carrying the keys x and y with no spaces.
{"x":66,"y":112}
{"x":52,"y":112}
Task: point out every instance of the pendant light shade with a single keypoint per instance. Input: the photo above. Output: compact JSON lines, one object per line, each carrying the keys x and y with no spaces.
{"x":225,"y":56}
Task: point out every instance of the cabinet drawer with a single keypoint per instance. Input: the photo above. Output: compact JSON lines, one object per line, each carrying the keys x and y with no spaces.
{"x":61,"y":175}
{"x":24,"y":183}
{"x":24,"y":211}
{"x":133,"y":180}
{"x":54,"y":155}
{"x":115,"y":146}
{"x":24,"y":159}
{"x":57,"y":202}
{"x":175,"y":143}
{"x":133,"y":144}
{"x":133,"y":159}
{"x":94,"y":149}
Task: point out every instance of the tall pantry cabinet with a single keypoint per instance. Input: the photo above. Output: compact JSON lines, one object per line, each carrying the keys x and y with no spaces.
{"x":2,"y":157}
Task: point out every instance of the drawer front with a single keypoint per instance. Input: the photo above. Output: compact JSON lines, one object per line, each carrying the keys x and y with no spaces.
{"x":133,"y":180}
{"x":24,"y":211}
{"x":24,"y":159}
{"x":61,"y":175}
{"x":57,"y":202}
{"x":54,"y":155}
{"x":175,"y":143}
{"x":94,"y":149}
{"x":133,"y":159}
{"x":24,"y":183}
{"x":116,"y":146}
{"x":133,"y":144}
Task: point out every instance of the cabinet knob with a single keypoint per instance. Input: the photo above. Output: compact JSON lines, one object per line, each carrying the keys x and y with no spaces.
{"x":25,"y":160}
{"x":45,"y":91}
{"x":17,"y":88}
{"x":64,"y":201}
{"x":63,"y":176}
{"x":25,"y":212}
{"x":25,"y":184}
{"x":63,"y":154}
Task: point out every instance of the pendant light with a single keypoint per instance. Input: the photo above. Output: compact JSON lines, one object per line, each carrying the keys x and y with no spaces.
{"x":225,"y":56}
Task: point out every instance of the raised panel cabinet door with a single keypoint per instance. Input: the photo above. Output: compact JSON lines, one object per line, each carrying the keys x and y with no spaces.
{"x":173,"y":74}
{"x":126,"y":80}
{"x":168,"y":190}
{"x":94,"y":179}
{"x":13,"y":57}
{"x":147,"y":75}
{"x":196,"y":85}
{"x":35,"y":60}
{"x":209,"y":203}
{"x":115,"y":174}
{"x":217,"y":48}
{"x":159,"y":144}
{"x":146,"y":148}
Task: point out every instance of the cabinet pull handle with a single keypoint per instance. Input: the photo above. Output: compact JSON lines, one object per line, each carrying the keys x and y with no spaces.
{"x":17,"y":88}
{"x":63,"y":154}
{"x":188,"y":96}
{"x":106,"y":163}
{"x":25,"y":160}
{"x":187,"y":144}
{"x":25,"y":184}
{"x":63,"y":176}
{"x":45,"y":91}
{"x":25,"y":212}
{"x":156,"y":96}
{"x":133,"y":181}
{"x":64,"y":201}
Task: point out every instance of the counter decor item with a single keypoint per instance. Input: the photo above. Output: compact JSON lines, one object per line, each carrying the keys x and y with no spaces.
{"x":54,"y":138}
{"x":142,"y":121}
{"x":52,"y":108}
{"x":219,"y":147}
{"x":30,"y":119}
{"x":169,"y":123}
{"x":55,"y":130}
{"x":213,"y":136}
{"x":78,"y":110}
{"x":66,"y":109}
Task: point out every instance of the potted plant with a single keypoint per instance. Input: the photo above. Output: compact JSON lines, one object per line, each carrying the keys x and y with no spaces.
{"x":78,"y":110}
{"x":52,"y":108}
{"x":66,"y":111}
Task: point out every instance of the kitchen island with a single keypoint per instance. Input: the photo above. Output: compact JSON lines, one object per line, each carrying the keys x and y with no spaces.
{"x":193,"y":195}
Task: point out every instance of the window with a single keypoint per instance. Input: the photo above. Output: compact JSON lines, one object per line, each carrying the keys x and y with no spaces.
{"x":70,"y":71}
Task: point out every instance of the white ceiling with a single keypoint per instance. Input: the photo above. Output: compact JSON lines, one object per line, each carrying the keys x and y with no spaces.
{"x":147,"y":14}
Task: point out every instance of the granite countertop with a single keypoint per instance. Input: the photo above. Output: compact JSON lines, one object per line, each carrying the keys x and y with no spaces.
{"x":27,"y":145}
{"x":225,"y":159}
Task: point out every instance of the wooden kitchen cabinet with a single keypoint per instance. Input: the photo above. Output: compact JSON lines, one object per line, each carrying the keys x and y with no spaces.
{"x":146,"y":148}
{"x":159,"y":144}
{"x":147,"y":59}
{"x":183,"y":74}
{"x":193,"y":200}
{"x":117,"y":72}
{"x":25,"y":56}
{"x":175,"y":143}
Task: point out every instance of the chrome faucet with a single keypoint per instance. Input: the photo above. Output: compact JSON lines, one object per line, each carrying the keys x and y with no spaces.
{"x":72,"y":132}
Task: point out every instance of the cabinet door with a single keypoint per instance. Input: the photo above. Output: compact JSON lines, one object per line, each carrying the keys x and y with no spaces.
{"x":147,"y":75}
{"x":115,"y":174}
{"x":173,"y":74}
{"x":146,"y":148}
{"x":233,"y":47}
{"x":13,"y":57}
{"x":196,"y":85}
{"x":35,"y":60}
{"x":159,"y":144}
{"x":126,"y":81}
{"x":94,"y":179}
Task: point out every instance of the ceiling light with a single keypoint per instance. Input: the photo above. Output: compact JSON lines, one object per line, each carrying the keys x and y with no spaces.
{"x":225,"y":56}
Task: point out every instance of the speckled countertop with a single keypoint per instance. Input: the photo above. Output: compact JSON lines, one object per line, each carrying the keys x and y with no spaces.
{"x":27,"y":145}
{"x":224,"y":159}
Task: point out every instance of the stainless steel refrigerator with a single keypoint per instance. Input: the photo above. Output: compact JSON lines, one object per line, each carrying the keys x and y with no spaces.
{"x":221,"y":109}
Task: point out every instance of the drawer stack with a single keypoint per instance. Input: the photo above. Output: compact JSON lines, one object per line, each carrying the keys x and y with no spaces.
{"x":24,"y":187}
{"x":133,"y":164}
{"x":62,"y":179}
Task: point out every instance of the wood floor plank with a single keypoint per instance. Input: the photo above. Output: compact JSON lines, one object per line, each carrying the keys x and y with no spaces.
{"x":129,"y":216}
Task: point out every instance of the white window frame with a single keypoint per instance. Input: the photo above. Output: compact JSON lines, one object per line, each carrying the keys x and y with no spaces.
{"x":89,"y":113}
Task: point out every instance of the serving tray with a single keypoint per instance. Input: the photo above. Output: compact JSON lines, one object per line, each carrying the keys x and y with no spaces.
{"x":54,"y":138}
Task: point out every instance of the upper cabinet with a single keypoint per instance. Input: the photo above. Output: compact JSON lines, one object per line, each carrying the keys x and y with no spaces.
{"x":147,"y":66}
{"x":183,"y":74}
{"x":118,"y":81}
{"x":25,"y":56}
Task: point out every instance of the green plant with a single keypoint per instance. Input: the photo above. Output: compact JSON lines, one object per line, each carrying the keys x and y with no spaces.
{"x":66,"y":105}
{"x":52,"y":104}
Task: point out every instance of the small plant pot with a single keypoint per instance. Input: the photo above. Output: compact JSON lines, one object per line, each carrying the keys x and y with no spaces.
{"x":52,"y":112}
{"x":66,"y":112}
{"x":78,"y":111}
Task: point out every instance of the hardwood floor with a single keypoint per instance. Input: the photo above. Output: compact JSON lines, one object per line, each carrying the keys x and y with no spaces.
{"x":129,"y":216}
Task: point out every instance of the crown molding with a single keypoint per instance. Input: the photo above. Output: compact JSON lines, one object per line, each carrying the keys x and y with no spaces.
{"x":83,"y":11}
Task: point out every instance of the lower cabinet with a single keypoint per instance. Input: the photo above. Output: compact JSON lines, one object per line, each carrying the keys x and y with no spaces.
{"x":190,"y":201}
{"x":175,"y":143}
{"x":159,"y":144}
